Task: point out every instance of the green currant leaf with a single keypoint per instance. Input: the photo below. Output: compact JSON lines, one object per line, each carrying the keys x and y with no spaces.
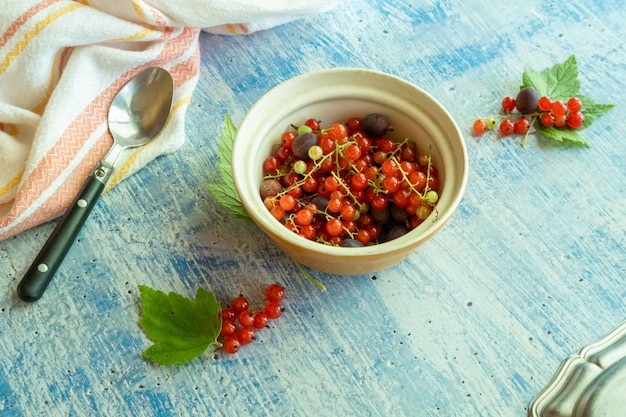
{"x":559,"y":82}
{"x":224,"y":192}
{"x":564,"y":135}
{"x":592,"y":110}
{"x":180,"y":328}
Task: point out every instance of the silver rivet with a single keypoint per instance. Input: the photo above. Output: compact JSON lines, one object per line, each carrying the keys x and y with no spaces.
{"x":42,"y":268}
{"x":81,"y":203}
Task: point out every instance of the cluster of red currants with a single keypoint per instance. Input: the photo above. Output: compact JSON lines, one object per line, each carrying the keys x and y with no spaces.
{"x":530,"y":109}
{"x":240,"y":324}
{"x":348,"y":185}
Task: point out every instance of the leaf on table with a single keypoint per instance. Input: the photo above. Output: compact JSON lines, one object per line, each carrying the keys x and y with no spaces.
{"x":559,"y":82}
{"x":181,"y":329}
{"x":565,"y":135}
{"x":224,"y":192}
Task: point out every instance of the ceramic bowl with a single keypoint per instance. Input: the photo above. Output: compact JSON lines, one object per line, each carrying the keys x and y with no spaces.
{"x":335,"y":95}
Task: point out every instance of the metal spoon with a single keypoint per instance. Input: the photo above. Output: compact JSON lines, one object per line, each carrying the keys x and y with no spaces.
{"x":136,"y":116}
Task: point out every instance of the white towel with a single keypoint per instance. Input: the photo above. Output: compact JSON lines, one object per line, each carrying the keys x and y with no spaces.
{"x":62,"y":62}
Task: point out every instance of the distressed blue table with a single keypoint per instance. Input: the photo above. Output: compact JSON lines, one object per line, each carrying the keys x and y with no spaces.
{"x":475,"y":323}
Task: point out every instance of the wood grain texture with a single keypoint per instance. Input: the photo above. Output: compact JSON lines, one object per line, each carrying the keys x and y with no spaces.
{"x":530,"y":269}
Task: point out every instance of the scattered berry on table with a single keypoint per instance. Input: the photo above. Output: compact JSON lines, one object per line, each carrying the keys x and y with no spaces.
{"x":241,"y":322}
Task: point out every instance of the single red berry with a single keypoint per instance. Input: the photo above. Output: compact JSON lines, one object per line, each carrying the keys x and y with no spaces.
{"x":522,"y":125}
{"x":273,"y":309}
{"x":288,"y":138}
{"x":338,"y":132}
{"x":508,"y":104}
{"x":275,"y":292}
{"x":287,"y":202}
{"x":507,"y":127}
{"x":545,"y":103}
{"x":260,"y":320}
{"x":560,"y":121}
{"x":246,"y":335}
{"x":271,"y":165}
{"x":379,"y":202}
{"x":353,"y":152}
{"x":313,"y":124}
{"x":558,"y":108}
{"x":575,"y":120}
{"x":239,"y":304}
{"x":480,"y":127}
{"x":229,"y":328}
{"x":354,"y":124}
{"x":334,"y":227}
{"x":574,"y":104}
{"x":231,"y":345}
{"x":228,"y":314}
{"x":246,"y":318}
{"x":547,"y":119}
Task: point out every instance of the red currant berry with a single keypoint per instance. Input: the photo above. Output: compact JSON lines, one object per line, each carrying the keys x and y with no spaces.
{"x":277,"y":212}
{"x":545,"y":103}
{"x":275,"y":292}
{"x":231,"y":345}
{"x":239,"y":304}
{"x":228,"y":314}
{"x":558,"y":108}
{"x":287,"y":202}
{"x":229,"y":328}
{"x":334,"y":227}
{"x":271,"y":165}
{"x":273,"y":309}
{"x":575,"y":120}
{"x":287,"y":138}
{"x":313,"y":124}
{"x":260,"y":320}
{"x":389,"y":167}
{"x":304,"y":217}
{"x":574,"y":105}
{"x":508,"y":104}
{"x":547,"y":119}
{"x":354,"y":124}
{"x":560,"y":121}
{"x":363,"y":236}
{"x":334,"y":205}
{"x":338,"y":132}
{"x":246,"y":335}
{"x":507,"y":127}
{"x":379,"y":202}
{"x":246,"y":318}
{"x":480,"y":127}
{"x":522,"y":125}
{"x":359,"y":182}
{"x":353,"y":152}
{"x":348,"y":212}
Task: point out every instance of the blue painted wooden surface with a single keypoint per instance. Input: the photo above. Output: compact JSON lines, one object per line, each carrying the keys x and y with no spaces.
{"x":530,"y":269}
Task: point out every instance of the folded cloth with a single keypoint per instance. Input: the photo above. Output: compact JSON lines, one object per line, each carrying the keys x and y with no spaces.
{"x":61,"y":64}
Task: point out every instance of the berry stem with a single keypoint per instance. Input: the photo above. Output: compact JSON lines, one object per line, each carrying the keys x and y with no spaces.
{"x":306,"y":273}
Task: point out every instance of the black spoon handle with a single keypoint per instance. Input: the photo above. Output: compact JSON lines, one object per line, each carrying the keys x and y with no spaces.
{"x":47,"y":262}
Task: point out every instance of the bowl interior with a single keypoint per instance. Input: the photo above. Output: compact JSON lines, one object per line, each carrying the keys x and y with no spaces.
{"x":335,"y":96}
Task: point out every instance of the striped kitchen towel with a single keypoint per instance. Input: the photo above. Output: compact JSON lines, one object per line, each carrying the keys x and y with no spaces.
{"x":62,"y":62}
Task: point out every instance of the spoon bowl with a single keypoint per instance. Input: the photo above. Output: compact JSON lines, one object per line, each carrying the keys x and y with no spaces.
{"x":136,"y":116}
